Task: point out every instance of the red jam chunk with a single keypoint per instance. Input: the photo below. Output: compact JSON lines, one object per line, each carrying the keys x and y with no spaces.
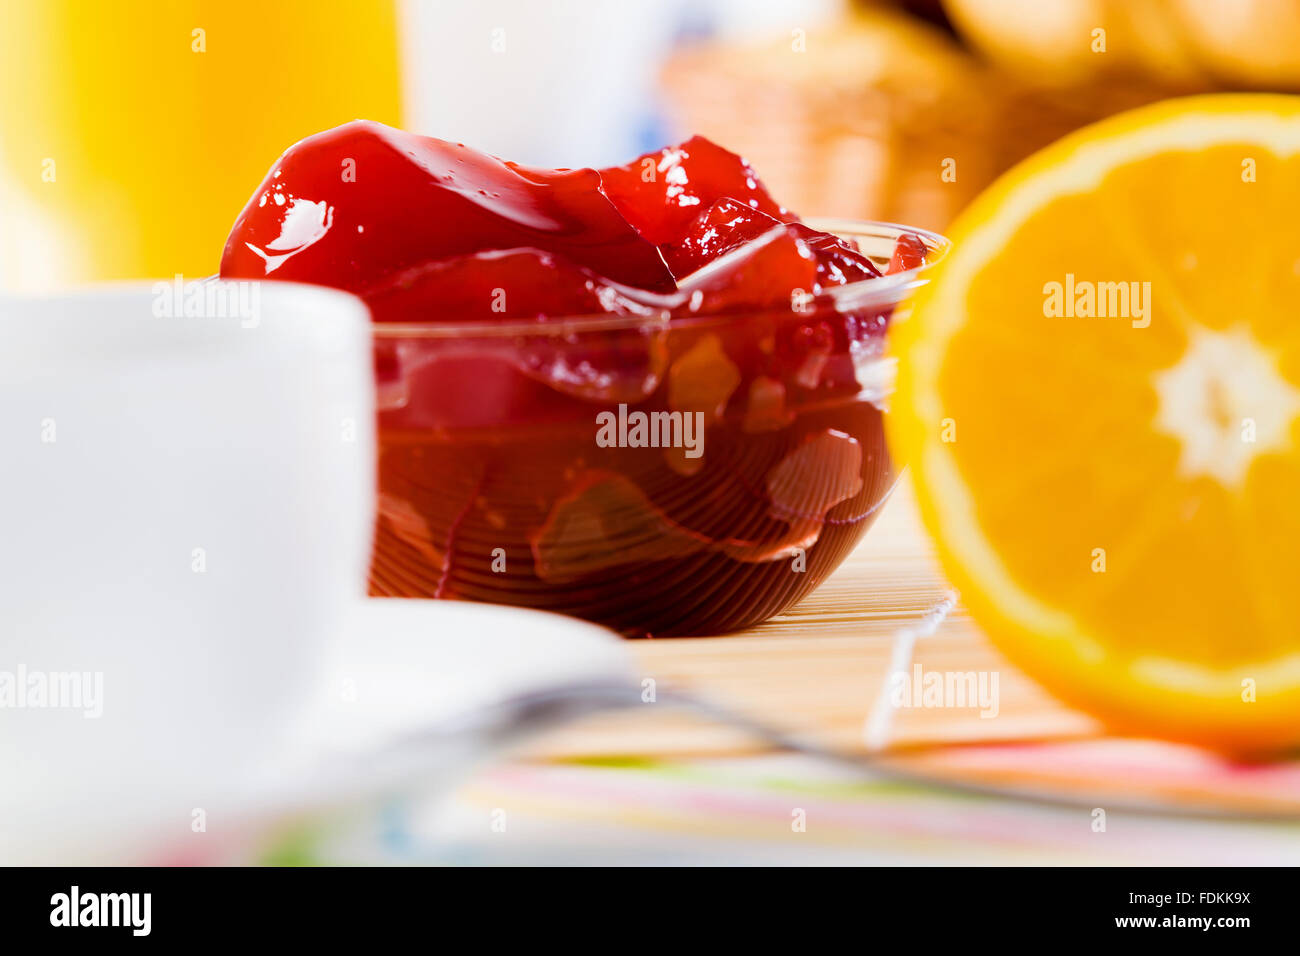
{"x":838,"y":263}
{"x":727,"y":224}
{"x":723,"y":226}
{"x":352,"y":205}
{"x":771,"y":271}
{"x":909,"y":252}
{"x":630,"y":394}
{"x":660,"y":193}
{"x":501,"y":284}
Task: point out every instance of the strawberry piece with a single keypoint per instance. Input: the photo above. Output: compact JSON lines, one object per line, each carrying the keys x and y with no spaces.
{"x":353,"y":205}
{"x":776,"y":271}
{"x":838,"y":262}
{"x":501,"y":284}
{"x":728,"y":224}
{"x":719,"y":229}
{"x":661,"y":192}
{"x":909,"y":252}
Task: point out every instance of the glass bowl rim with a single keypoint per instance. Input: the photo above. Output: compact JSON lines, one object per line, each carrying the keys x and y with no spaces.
{"x":878,"y":292}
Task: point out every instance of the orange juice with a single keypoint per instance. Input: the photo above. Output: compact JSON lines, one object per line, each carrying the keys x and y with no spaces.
{"x":133,"y":131}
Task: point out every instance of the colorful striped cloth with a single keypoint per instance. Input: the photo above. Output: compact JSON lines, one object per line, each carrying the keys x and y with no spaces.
{"x":776,"y":809}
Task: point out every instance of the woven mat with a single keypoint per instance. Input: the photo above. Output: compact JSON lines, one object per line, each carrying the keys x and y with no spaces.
{"x":819,"y":673}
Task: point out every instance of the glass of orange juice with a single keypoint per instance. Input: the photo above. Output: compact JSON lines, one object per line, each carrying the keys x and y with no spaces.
{"x":132,"y":131}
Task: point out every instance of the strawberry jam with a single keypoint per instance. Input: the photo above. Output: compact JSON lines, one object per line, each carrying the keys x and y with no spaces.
{"x":634,"y":394}
{"x":351,"y":206}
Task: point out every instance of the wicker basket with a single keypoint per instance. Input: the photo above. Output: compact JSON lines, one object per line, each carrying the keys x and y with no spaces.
{"x":863,"y":120}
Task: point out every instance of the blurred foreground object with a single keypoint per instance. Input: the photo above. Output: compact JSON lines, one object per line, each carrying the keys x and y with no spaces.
{"x":882,"y":115}
{"x":129,"y":131}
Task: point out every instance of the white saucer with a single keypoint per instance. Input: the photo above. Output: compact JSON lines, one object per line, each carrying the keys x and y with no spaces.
{"x":415,"y":679}
{"x":416,"y":694}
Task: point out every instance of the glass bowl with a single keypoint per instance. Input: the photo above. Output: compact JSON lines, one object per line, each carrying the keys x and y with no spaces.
{"x":692,"y":476}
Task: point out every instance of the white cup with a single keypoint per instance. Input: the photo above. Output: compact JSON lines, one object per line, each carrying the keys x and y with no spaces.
{"x":185,"y":519}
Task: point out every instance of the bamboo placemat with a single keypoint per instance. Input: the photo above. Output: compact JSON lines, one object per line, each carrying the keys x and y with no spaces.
{"x":819,"y":673}
{"x":818,"y":670}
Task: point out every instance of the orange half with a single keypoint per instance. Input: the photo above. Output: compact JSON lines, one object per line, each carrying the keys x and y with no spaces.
{"x":1099,"y":396}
